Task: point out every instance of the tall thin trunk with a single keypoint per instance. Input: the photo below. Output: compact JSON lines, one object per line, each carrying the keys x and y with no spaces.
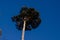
{"x":23,"y":31}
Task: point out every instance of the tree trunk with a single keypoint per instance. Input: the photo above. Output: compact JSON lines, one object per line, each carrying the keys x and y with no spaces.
{"x":23,"y":31}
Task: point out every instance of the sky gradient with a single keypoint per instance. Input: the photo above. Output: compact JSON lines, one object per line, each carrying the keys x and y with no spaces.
{"x":49,"y":29}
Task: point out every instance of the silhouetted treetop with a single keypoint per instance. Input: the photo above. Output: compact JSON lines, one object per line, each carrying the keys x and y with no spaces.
{"x":30,"y":15}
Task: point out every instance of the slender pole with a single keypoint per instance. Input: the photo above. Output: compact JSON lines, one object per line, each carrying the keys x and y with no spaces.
{"x":23,"y":31}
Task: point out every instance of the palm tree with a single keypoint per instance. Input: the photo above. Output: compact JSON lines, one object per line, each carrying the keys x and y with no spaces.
{"x":28,"y":19}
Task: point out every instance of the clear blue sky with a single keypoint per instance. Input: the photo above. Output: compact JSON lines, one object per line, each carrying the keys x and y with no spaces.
{"x":50,"y":15}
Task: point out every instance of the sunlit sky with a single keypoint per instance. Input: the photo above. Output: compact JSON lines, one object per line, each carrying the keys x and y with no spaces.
{"x":49,"y":29}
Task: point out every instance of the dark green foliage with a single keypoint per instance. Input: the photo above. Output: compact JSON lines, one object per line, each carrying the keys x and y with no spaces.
{"x":31,"y":16}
